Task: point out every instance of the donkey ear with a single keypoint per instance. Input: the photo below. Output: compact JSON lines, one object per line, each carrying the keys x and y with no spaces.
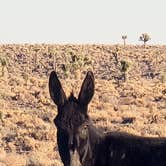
{"x":87,"y":89}
{"x":56,"y":91}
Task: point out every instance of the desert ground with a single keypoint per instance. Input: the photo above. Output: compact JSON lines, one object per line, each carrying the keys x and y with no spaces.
{"x":130,"y":94}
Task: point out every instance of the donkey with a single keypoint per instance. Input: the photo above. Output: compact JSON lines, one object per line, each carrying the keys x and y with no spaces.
{"x":81,"y":144}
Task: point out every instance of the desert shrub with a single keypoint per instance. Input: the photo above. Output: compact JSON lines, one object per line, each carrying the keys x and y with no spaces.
{"x":1,"y":116}
{"x":162,"y":77}
{"x":75,"y":63}
{"x":35,"y":56}
{"x":32,"y":161}
{"x":23,"y":145}
{"x":25,"y":77}
{"x":124,"y":68}
{"x":53,"y":53}
{"x":3,"y":63}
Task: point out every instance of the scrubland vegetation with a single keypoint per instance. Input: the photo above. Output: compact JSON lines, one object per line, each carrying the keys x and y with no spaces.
{"x":130,"y":94}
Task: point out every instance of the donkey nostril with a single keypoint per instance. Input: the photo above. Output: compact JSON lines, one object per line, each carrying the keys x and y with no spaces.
{"x":71,"y":147}
{"x":72,"y":142}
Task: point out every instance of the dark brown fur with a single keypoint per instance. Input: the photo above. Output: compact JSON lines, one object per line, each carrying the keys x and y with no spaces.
{"x":81,"y":144}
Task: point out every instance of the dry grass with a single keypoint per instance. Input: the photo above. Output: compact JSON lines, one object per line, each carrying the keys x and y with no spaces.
{"x":27,"y":132}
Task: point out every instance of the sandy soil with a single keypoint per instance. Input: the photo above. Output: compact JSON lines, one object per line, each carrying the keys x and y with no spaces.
{"x":136,"y":105}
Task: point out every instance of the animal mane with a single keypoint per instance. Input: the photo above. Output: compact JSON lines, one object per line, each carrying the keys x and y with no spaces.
{"x":72,"y":98}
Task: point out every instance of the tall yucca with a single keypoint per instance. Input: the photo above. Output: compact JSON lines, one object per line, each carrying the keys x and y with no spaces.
{"x":124,"y":37}
{"x":144,"y":37}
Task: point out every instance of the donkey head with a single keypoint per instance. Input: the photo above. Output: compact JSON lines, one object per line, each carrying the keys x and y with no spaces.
{"x":72,"y":120}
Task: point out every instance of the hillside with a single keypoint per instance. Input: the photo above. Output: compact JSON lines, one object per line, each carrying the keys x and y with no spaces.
{"x":130,"y":94}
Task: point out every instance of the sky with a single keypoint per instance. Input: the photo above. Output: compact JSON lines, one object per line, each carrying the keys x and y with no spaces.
{"x":82,"y":21}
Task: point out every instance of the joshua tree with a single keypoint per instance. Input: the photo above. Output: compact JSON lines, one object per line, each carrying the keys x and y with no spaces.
{"x":144,"y":37}
{"x":124,"y":37}
{"x":115,"y":53}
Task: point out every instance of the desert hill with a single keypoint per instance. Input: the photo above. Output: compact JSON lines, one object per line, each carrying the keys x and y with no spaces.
{"x":130,"y":94}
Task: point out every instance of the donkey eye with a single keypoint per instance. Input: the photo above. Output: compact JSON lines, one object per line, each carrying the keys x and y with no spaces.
{"x":83,"y":131}
{"x":85,"y":127}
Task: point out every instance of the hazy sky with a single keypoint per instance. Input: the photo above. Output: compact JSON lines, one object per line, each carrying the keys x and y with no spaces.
{"x":81,"y":21}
